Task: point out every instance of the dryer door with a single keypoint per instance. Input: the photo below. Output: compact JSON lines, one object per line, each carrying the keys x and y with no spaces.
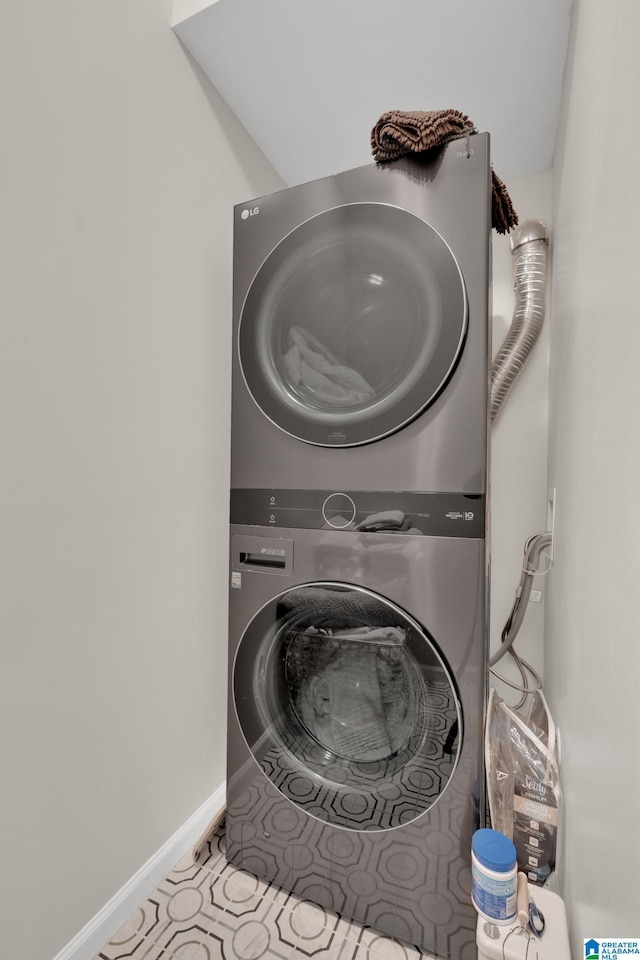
{"x":352,"y":325}
{"x":347,"y":706}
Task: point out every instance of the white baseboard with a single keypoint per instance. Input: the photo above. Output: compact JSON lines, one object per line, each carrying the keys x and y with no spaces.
{"x":88,"y":942}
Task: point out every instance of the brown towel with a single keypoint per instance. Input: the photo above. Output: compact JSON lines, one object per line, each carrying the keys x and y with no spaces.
{"x":399,"y":132}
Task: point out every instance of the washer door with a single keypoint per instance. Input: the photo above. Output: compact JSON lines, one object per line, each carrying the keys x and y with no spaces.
{"x":347,"y":706}
{"x":352,"y":325}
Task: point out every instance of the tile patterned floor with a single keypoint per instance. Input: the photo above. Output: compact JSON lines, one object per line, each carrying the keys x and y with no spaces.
{"x":207,"y":910}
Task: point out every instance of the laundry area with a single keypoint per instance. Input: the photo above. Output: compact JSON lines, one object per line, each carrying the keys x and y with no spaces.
{"x":322,"y":634}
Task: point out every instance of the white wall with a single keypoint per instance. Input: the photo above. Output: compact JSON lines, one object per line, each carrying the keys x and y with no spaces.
{"x":120,"y":168}
{"x":592,"y":650}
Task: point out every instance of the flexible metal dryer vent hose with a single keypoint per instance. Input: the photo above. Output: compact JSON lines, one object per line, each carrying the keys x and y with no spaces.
{"x":529,"y":252}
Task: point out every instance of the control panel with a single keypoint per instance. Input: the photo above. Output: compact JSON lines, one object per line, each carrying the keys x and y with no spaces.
{"x":365,"y":511}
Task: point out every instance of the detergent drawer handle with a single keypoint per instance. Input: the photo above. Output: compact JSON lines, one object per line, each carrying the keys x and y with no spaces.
{"x":262,"y":560}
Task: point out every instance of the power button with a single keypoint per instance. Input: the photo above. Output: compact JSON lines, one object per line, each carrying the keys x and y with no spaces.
{"x":339,"y":510}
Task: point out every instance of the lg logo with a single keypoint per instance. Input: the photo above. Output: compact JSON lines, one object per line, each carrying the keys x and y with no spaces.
{"x":250,"y":213}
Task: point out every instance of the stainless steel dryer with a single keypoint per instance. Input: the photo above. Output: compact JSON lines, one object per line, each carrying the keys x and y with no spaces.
{"x":360,"y":329}
{"x":358,"y":475}
{"x":357,"y":682}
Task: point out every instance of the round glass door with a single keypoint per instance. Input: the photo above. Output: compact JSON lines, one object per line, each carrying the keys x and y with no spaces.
{"x":347,"y":706}
{"x":352,"y":325}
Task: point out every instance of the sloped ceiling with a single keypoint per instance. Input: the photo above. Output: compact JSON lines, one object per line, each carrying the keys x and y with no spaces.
{"x":309,"y":78}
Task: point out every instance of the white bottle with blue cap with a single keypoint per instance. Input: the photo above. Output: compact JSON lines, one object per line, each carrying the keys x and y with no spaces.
{"x":494,"y":876}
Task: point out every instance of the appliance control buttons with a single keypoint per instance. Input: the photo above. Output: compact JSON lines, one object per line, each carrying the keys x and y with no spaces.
{"x":339,"y":510}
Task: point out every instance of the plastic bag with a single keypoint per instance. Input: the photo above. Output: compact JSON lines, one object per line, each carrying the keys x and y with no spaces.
{"x":523,"y":782}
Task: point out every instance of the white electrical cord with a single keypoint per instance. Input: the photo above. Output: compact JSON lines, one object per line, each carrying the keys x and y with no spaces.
{"x":533,"y":549}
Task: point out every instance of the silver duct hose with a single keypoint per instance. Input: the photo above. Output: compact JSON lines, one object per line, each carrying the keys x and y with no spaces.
{"x":529,"y":252}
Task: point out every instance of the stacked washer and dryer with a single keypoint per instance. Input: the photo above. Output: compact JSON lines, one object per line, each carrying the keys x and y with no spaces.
{"x":358,"y":597}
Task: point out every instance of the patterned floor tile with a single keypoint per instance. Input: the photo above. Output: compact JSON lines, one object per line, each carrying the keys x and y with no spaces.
{"x":127,"y":945}
{"x":154,"y":952}
{"x":377,"y":946}
{"x":354,"y":931}
{"x":211,"y":856}
{"x":402,"y":951}
{"x":179,"y":912}
{"x":238,"y":892}
{"x":253,"y":936}
{"x":371,"y":946}
{"x":198,"y":950}
{"x":210,"y":910}
{"x":338,"y":950}
{"x":187,"y":870}
{"x":145,"y":919}
{"x":314,"y":930}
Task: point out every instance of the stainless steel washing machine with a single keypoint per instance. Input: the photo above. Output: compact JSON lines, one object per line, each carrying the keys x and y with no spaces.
{"x":358,"y":580}
{"x":360,"y":329}
{"x":357,"y":683}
